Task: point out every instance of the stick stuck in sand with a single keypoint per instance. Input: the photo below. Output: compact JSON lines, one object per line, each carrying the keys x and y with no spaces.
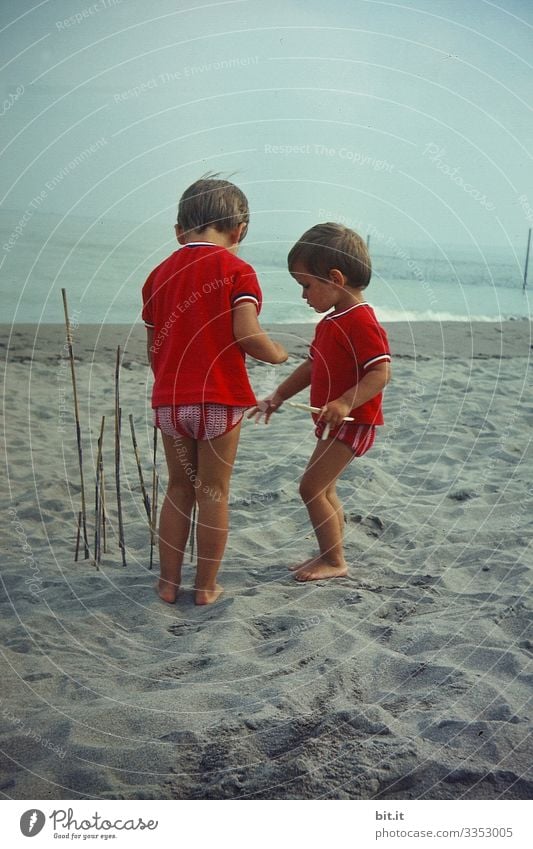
{"x":146,"y":500}
{"x":78,"y":535}
{"x":78,"y":428}
{"x":102,"y":502}
{"x":192,"y":531}
{"x":154,"y":497}
{"x":118,"y":417}
{"x":98,"y":499}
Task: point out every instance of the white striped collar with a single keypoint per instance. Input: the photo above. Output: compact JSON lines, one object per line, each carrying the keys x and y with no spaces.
{"x":339,"y":314}
{"x":200,"y":244}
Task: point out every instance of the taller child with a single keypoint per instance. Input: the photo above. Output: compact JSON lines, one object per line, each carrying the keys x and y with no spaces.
{"x":200,"y":308}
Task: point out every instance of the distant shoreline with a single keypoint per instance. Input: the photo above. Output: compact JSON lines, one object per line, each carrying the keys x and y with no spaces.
{"x":446,"y":341}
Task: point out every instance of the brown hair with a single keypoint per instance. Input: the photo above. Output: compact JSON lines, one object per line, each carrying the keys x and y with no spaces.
{"x":212,"y":202}
{"x":327,"y":246}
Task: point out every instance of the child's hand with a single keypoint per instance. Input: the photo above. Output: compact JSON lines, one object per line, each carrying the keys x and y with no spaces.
{"x":265,"y":408}
{"x":334,"y":413}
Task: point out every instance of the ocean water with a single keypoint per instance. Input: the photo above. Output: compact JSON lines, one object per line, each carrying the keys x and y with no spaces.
{"x":103,"y":264}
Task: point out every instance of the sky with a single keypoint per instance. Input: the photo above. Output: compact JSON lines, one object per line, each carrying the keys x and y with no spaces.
{"x":410,"y":121}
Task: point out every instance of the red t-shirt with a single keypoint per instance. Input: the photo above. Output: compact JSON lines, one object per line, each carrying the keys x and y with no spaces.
{"x":188,"y":301}
{"x":346,"y":344}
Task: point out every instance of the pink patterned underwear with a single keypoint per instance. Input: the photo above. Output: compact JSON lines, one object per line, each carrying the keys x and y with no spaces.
{"x":197,"y":421}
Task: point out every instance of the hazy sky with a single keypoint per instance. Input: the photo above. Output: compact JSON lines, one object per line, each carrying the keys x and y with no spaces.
{"x":410,"y":119}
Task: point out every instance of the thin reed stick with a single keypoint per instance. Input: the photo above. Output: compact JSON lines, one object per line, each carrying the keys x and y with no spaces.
{"x":77,"y":418}
{"x":104,"y":514}
{"x":153,"y":527}
{"x":146,"y":500}
{"x":156,"y":502}
{"x":314,"y":409}
{"x":526,"y":264}
{"x":98,"y":497}
{"x":118,"y":421}
{"x":154,"y":497}
{"x":76,"y":553}
{"x":192,"y":532}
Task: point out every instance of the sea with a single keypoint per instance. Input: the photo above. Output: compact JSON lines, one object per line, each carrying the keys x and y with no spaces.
{"x":103,"y":263}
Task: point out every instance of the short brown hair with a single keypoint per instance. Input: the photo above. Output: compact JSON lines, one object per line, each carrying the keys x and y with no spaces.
{"x":212,"y":202}
{"x":327,"y":246}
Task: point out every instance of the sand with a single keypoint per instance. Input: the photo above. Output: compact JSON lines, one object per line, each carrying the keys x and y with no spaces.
{"x":409,"y":679}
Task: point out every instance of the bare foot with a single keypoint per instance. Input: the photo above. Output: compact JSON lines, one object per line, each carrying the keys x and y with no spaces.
{"x":168,"y":591}
{"x":294,"y":567}
{"x":319,"y":569}
{"x":208,"y":596}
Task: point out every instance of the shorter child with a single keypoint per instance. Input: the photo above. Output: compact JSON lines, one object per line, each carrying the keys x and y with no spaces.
{"x":347,"y":368}
{"x":200,"y":309}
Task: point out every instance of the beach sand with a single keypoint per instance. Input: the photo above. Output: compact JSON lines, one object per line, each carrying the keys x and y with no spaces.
{"x":409,"y":679}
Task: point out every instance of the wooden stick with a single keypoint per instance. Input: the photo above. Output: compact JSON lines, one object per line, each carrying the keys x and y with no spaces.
{"x":193,"y":529}
{"x":156,"y":501}
{"x":325,"y":432}
{"x":154,"y":505}
{"x":527,"y":260}
{"x":104,"y":519}
{"x":76,"y":553}
{"x":122,"y":543}
{"x":146,"y":500}
{"x":314,"y":409}
{"x":99,"y":550}
{"x":98,"y":497}
{"x":153,"y":527}
{"x":118,"y":418}
{"x":77,"y":418}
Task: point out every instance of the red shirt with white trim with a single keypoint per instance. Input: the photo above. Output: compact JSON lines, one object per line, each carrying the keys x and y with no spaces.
{"x":188,"y":300}
{"x":345,"y":346}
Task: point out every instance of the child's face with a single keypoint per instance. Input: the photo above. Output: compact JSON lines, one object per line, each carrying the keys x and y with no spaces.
{"x":321,"y":295}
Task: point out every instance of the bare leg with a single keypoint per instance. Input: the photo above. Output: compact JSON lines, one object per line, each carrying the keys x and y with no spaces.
{"x":333,"y":498}
{"x":175,"y":519}
{"x":318,"y":490}
{"x":215,"y":465}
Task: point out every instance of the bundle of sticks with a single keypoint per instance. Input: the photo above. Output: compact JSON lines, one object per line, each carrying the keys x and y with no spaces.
{"x":101,"y":518}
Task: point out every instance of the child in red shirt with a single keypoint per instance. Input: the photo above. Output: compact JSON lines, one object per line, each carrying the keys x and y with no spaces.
{"x":200,"y":309}
{"x":347,"y":368}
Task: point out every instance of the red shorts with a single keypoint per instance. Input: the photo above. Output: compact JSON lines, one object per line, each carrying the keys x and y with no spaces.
{"x":358,"y":437}
{"x":197,"y":421}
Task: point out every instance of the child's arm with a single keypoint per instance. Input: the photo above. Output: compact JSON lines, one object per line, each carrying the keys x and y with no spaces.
{"x":149,"y":344}
{"x":252,"y":338}
{"x":298,"y":380}
{"x":371,"y":384}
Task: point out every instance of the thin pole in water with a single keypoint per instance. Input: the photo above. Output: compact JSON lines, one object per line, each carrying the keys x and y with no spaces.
{"x":527,"y":260}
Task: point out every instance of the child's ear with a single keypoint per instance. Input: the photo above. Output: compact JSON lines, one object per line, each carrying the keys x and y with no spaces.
{"x":337,"y":277}
{"x":180,"y":233}
{"x":238,"y":233}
